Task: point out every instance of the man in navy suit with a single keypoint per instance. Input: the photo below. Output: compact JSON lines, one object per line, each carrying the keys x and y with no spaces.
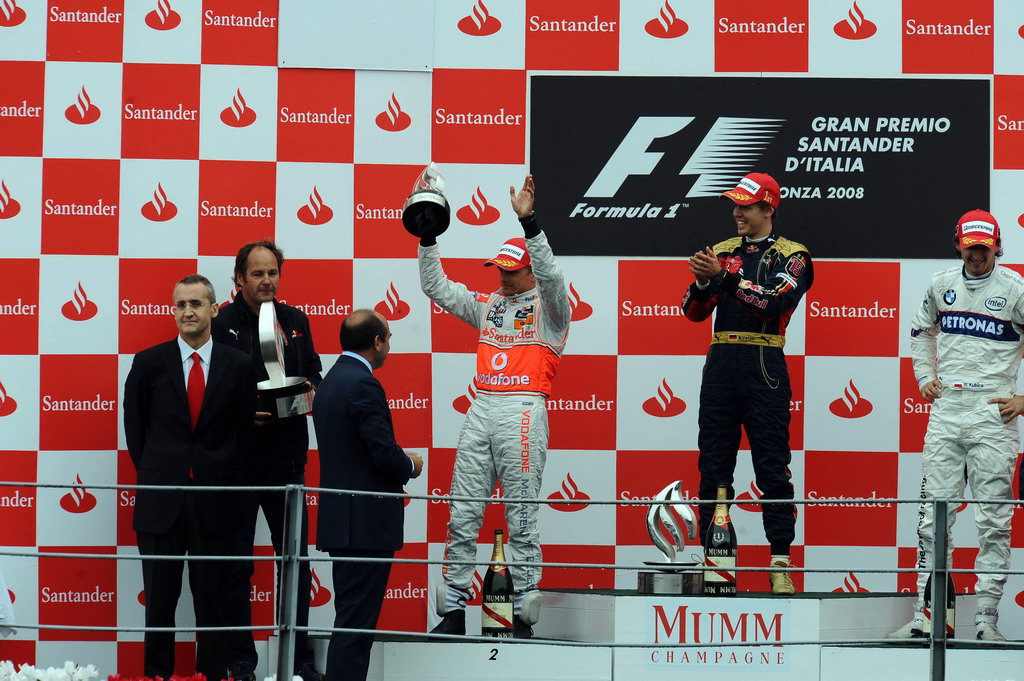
{"x":358,"y":452}
{"x":188,"y":407}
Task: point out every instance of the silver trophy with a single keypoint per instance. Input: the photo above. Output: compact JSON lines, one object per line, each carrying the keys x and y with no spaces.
{"x":670,"y":522}
{"x":426,"y":211}
{"x":280,"y":395}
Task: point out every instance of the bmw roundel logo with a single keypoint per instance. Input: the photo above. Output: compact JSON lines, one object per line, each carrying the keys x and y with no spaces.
{"x":949,"y":297}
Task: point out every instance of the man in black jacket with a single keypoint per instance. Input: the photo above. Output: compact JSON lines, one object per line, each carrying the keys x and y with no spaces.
{"x":281,"y":444}
{"x":188,"y":407}
{"x":358,"y":452}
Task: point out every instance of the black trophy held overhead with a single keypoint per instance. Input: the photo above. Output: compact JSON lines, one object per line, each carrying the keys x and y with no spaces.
{"x":426,"y":211}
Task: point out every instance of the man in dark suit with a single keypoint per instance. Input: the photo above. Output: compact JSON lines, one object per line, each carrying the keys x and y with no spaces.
{"x":358,"y":452}
{"x":188,"y":414}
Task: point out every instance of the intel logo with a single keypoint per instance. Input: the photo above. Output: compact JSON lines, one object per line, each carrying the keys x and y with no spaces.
{"x":996,"y":304}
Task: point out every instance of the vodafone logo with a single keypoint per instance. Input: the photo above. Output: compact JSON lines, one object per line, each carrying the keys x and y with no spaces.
{"x":664,"y":404}
{"x":461,"y":404}
{"x":7,"y":403}
{"x":581,"y":309}
{"x":318,"y":593}
{"x":83,"y":111}
{"x":9,"y":207}
{"x":163,"y":18}
{"x":315,"y":212}
{"x":79,"y":499}
{"x":851,"y":405}
{"x":393,"y":119}
{"x":238,"y":115}
{"x":10,"y":14}
{"x":142,"y":598}
{"x":855,"y":27}
{"x":79,"y":308}
{"x":851,"y":585}
{"x":570,"y":491}
{"x":666,"y":24}
{"x":160,"y":209}
{"x":479,"y":22}
{"x":10,"y":594}
{"x":392,"y":308}
{"x":478,"y":212}
{"x":499,"y":361}
{"x":1020,"y":31}
{"x":748,"y":500}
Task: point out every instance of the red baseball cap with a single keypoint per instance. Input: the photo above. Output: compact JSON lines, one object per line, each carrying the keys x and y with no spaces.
{"x":753,"y":188}
{"x":511,"y":256}
{"x":977,"y":227}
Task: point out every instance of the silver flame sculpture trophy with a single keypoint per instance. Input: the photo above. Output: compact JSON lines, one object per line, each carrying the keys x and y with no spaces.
{"x":426,"y":211}
{"x":280,"y":395}
{"x":670,"y":522}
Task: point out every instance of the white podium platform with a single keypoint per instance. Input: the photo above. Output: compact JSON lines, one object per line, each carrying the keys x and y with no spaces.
{"x":753,"y":628}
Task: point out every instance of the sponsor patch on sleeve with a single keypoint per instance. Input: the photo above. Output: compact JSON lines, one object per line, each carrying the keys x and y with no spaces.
{"x":795,"y":266}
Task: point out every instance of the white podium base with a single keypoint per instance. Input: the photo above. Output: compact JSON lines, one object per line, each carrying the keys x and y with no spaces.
{"x":654,"y":626}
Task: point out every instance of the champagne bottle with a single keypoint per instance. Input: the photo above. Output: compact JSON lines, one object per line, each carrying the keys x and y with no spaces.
{"x":950,"y":606}
{"x":720,"y":551}
{"x":498,"y":596}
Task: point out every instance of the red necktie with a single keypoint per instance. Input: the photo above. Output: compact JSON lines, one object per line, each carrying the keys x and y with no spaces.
{"x":196,"y":388}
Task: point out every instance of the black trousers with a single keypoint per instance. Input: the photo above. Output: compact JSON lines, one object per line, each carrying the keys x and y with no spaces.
{"x":211,"y":597}
{"x":747,"y":386}
{"x":359,"y":590}
{"x":272,"y":504}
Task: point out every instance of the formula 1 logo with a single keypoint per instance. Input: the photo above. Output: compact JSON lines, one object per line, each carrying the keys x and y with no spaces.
{"x":728,"y":152}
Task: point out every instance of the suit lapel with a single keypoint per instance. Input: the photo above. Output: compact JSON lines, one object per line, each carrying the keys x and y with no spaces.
{"x":173,"y":360}
{"x":217,"y":369}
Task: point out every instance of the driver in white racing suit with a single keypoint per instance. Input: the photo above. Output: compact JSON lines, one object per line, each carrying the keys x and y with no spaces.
{"x":966,"y":341}
{"x":523,"y":329}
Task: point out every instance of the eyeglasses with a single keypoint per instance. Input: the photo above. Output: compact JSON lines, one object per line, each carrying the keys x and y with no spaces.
{"x":183,"y":305}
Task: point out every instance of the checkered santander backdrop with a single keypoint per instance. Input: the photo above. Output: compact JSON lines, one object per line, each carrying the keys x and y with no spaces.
{"x":144,"y":140}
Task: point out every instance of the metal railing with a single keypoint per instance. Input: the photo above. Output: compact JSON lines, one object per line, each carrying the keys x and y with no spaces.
{"x":290,"y":558}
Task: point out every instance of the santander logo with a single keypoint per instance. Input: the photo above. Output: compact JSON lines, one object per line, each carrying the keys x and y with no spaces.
{"x":851,"y":585}
{"x":160,"y":209}
{"x":749,"y":499}
{"x":79,"y":499}
{"x":7,"y":403}
{"x":479,"y":22}
{"x":163,"y":18}
{"x":9,"y":207}
{"x":581,"y":309}
{"x":83,"y":111}
{"x":79,"y":308}
{"x":478,"y":212}
{"x":393,"y":119}
{"x":238,"y":115}
{"x":855,"y":27}
{"x":318,"y":593}
{"x":461,"y":404}
{"x":10,"y":14}
{"x":570,"y":492}
{"x":851,"y":405}
{"x":315,"y":212}
{"x":666,"y":24}
{"x":392,"y":308}
{"x":476,"y":588}
{"x":664,"y":404}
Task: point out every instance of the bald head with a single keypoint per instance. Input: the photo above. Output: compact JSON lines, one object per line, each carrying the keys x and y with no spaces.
{"x":366,"y":333}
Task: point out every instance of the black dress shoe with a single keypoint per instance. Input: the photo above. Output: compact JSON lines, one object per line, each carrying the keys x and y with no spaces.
{"x":454,"y":622}
{"x":309,"y":673}
{"x":242,"y":671}
{"x":521,"y":629}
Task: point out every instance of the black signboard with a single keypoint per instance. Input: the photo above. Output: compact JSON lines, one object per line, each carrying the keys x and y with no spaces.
{"x":869,"y":168}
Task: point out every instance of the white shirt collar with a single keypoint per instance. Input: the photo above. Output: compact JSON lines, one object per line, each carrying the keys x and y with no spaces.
{"x":360,"y":358}
{"x":205,"y":351}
